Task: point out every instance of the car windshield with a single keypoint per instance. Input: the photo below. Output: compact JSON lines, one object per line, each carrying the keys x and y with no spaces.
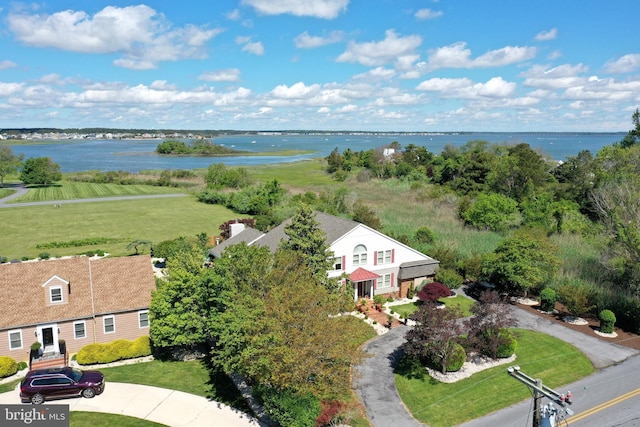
{"x":76,"y":374}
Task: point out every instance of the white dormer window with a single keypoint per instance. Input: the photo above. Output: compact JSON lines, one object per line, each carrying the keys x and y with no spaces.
{"x":360,"y":255}
{"x":55,"y":294}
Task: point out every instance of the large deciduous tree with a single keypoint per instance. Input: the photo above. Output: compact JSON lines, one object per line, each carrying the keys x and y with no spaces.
{"x":491,"y":211}
{"x":522,"y":262}
{"x":40,"y":171}
{"x":9,"y":162}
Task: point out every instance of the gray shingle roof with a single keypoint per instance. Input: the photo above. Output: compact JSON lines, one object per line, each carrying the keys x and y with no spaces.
{"x":248,"y":235}
{"x":421,"y":268}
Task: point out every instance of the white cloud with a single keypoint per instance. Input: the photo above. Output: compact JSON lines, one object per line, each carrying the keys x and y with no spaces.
{"x":228,"y":75}
{"x":234,"y":15}
{"x":625,"y":64}
{"x":141,"y":35}
{"x":255,"y":48}
{"x":428,"y":14}
{"x":382,"y":52}
{"x":326,"y":9}
{"x":457,"y":55}
{"x":547,"y":35}
{"x":7,"y":64}
{"x":9,"y":89}
{"x":297,"y":91}
{"x":466,"y":89}
{"x":560,"y":77}
{"x":306,"y":41}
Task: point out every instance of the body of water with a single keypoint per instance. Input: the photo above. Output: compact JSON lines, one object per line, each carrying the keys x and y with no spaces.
{"x":138,"y":155}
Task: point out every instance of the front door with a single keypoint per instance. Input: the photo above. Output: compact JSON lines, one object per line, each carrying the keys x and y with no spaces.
{"x":48,"y":336}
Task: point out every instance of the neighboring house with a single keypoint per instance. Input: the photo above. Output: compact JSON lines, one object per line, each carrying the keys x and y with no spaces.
{"x":81,"y":300}
{"x":371,"y":262}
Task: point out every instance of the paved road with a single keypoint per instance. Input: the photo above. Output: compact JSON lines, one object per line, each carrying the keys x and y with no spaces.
{"x":168,"y":407}
{"x":375,"y":383}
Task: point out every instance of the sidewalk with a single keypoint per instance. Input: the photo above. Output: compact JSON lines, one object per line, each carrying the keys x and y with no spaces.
{"x":168,"y":407}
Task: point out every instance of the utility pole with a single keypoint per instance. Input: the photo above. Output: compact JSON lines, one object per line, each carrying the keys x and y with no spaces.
{"x":543,"y":416}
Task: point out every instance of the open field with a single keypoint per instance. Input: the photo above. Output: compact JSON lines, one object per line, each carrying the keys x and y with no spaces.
{"x":85,"y":190}
{"x":539,"y":356}
{"x":146,"y":219}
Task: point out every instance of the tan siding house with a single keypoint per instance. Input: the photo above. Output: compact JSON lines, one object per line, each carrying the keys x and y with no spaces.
{"x":81,"y":300}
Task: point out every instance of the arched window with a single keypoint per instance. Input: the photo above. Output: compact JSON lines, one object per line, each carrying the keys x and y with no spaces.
{"x":360,"y":255}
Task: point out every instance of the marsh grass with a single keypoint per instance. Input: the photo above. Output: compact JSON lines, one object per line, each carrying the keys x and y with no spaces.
{"x":539,"y":356}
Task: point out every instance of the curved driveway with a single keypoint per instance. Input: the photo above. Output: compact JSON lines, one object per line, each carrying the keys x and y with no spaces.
{"x":160,"y":405}
{"x":375,"y":383}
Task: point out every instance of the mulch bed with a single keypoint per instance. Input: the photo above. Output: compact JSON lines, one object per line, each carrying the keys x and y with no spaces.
{"x":624,"y":338}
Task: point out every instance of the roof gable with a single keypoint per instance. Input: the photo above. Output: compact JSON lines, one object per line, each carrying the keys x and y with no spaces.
{"x":106,"y":285}
{"x":55,"y":280}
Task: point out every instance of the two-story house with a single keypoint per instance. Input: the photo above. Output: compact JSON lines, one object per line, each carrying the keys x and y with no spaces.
{"x":81,"y":300}
{"x":371,"y":262}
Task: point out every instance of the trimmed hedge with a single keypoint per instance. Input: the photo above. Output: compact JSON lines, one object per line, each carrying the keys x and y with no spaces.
{"x":607,"y":321}
{"x":547,"y":300}
{"x":457,"y":359}
{"x":508,"y":346}
{"x":8,"y":366}
{"x":112,"y":352}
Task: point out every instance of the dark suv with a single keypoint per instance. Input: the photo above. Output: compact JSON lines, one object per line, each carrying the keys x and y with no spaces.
{"x":53,"y":383}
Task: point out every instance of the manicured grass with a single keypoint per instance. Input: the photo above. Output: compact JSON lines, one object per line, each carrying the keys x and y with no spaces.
{"x":146,"y":219}
{"x":190,"y":377}
{"x":10,"y":386}
{"x":68,"y":190}
{"x":463,"y":303}
{"x":98,"y":419}
{"x":539,"y":356}
{"x":5,"y":192}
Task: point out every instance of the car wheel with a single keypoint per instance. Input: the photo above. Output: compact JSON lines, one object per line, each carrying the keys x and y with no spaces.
{"x":88,"y":393}
{"x":37,"y":399}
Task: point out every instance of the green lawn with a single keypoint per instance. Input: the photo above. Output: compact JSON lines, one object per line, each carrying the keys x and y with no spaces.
{"x":146,"y":219}
{"x":5,"y":192}
{"x":463,"y":303}
{"x":539,"y":356}
{"x":98,"y":419}
{"x":68,"y":190}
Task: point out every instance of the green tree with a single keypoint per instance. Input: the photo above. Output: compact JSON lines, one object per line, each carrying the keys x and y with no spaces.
{"x":365,"y":215}
{"x":40,"y":171}
{"x":305,"y":237}
{"x":9,"y":162}
{"x":138,"y":244}
{"x":491,"y":211}
{"x":633,"y":136}
{"x":522,"y":262}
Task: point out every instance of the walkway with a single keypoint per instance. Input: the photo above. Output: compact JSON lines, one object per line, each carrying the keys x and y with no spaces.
{"x":168,"y":407}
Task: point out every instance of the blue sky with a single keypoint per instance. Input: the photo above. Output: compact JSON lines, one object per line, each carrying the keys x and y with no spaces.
{"x":375,"y":65}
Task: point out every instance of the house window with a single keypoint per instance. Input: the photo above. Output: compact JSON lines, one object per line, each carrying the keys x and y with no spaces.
{"x":56,"y":294}
{"x":143,"y":319}
{"x":79,"y":330}
{"x":15,"y":340}
{"x":360,"y":255}
{"x":384,"y":281}
{"x":337,"y":263}
{"x":109,"y":323}
{"x":384,"y":257}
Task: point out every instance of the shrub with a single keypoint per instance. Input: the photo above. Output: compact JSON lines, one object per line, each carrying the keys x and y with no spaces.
{"x":433,"y":291}
{"x":507,"y":346}
{"x":457,"y":358}
{"x":449,"y":277}
{"x":22,"y":365}
{"x":547,"y":299}
{"x":44,"y":255}
{"x":113,"y":351}
{"x":332,"y":412}
{"x":411,"y":291}
{"x":607,"y":321}
{"x":379,"y":299}
{"x":8,"y":366}
{"x":579,"y":297}
{"x":424,"y":235}
{"x":288,"y":408}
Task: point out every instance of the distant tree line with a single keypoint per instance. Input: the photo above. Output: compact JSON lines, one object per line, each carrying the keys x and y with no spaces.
{"x":200,"y":147}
